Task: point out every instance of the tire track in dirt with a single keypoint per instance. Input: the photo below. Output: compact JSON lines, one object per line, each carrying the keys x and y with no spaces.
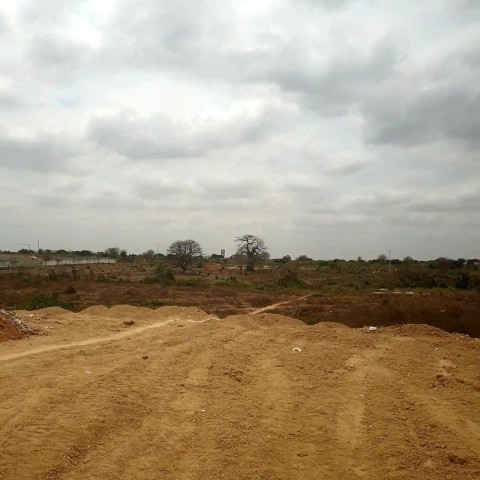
{"x":230,"y":399}
{"x":411,"y":443}
{"x":83,"y":343}
{"x":353,"y":393}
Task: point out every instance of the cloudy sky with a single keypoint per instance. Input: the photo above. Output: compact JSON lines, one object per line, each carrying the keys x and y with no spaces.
{"x":332,"y":128}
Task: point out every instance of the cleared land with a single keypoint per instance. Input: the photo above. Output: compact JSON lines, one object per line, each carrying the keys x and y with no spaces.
{"x":181,"y":394}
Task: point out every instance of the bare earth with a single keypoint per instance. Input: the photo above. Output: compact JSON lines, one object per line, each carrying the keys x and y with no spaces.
{"x":181,"y":394}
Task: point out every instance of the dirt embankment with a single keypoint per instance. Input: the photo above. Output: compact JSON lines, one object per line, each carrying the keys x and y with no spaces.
{"x":175,"y":393}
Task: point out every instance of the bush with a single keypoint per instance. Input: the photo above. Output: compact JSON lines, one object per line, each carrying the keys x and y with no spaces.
{"x":287,"y":277}
{"x":164,"y":274}
{"x":42,"y":300}
{"x":463,"y":282}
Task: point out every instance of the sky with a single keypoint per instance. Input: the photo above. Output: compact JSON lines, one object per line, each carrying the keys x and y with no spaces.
{"x":329,"y":128}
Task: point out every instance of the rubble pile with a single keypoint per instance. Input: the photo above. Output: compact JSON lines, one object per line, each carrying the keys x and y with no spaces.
{"x":12,"y":328}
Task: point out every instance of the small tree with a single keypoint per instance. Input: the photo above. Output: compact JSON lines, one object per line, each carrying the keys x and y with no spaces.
{"x":184,"y":252}
{"x":382,"y":258}
{"x":304,"y":258}
{"x":252,"y":247}
{"x":112,"y":252}
{"x":163,"y":274}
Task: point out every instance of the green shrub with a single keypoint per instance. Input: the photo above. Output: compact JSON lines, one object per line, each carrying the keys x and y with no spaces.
{"x":163,"y":275}
{"x":463,"y":282}
{"x":287,"y":276}
{"x":43,"y":300}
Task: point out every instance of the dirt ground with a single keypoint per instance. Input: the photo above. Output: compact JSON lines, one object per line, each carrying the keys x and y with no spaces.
{"x":181,"y":394}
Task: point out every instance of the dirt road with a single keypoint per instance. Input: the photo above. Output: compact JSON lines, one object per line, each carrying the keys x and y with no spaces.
{"x":182,"y":395}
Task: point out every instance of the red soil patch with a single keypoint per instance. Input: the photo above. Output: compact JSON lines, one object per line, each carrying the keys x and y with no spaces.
{"x":8,"y":331}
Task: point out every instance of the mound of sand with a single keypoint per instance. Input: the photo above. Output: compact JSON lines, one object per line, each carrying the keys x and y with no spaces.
{"x":263,"y":320}
{"x":247,"y":397}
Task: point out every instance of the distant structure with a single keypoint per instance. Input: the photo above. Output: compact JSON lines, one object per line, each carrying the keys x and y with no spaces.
{"x":33,"y":261}
{"x":77,"y":261}
{"x":222,"y":252}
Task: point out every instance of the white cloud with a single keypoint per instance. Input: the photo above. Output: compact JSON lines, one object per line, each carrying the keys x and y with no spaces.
{"x":331,"y":128}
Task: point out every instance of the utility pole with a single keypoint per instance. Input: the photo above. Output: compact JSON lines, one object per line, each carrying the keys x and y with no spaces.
{"x":389,"y":264}
{"x":26,"y":245}
{"x":158,"y":246}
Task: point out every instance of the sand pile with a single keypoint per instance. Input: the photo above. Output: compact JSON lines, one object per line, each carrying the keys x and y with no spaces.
{"x":180,"y":394}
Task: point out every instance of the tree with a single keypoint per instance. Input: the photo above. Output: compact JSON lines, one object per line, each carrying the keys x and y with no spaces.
{"x":112,"y":252}
{"x":252,"y":247}
{"x":184,"y":252}
{"x":304,"y":258}
{"x":382,"y":258}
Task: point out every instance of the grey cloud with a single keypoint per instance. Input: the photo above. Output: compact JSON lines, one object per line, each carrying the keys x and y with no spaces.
{"x":166,"y":34}
{"x":159,"y":137}
{"x":40,"y":154}
{"x":141,"y":139}
{"x":232,"y":190}
{"x":53,"y":200}
{"x":10,"y":100}
{"x":4,"y":26}
{"x":58,"y":54}
{"x":113,"y":201}
{"x":460,"y":203}
{"x":472,"y":57}
{"x":204,"y":191}
{"x":46,"y":14}
{"x":327,"y":3}
{"x":429,"y":116}
{"x":160,"y":189}
{"x":344,"y":81}
{"x":425,"y":221}
{"x":196,"y":41}
{"x":410,"y":208}
{"x":468,"y":6}
{"x":346,"y":168}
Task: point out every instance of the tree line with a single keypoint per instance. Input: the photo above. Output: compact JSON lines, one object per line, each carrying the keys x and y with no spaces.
{"x":250,"y":248}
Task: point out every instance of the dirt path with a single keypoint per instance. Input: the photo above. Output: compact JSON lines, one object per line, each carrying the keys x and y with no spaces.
{"x":185,"y":396}
{"x":83,"y":343}
{"x":276,"y":305}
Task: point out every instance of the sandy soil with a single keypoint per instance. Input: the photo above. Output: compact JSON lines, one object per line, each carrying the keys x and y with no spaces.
{"x":180,"y":394}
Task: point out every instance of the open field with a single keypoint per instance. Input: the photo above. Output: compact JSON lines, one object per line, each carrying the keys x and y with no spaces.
{"x":181,"y":394}
{"x":368,"y":296}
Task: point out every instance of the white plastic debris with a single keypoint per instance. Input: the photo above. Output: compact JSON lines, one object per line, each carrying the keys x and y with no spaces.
{"x":371,"y":329}
{"x":88,"y":371}
{"x":296,"y":349}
